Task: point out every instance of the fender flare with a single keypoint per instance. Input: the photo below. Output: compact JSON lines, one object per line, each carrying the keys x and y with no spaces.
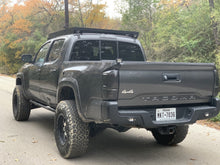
{"x":20,"y":75}
{"x":73,"y":84}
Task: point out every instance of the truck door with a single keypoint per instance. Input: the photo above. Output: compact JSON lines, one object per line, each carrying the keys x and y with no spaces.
{"x":35,"y":69}
{"x":49,"y":74}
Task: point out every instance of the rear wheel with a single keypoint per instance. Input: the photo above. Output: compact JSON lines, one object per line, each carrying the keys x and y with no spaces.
{"x":71,"y":133}
{"x":20,"y":105}
{"x":171,"y":139}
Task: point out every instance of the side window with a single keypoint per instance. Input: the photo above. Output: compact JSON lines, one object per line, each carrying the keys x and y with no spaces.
{"x":85,"y":50}
{"x":42,"y":54}
{"x":130,"y":52}
{"x":108,"y":50}
{"x":56,"y":49}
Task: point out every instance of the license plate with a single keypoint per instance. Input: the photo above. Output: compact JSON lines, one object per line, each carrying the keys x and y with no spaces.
{"x":165,"y":114}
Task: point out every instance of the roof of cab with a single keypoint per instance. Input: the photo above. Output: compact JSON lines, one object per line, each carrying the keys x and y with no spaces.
{"x":103,"y":32}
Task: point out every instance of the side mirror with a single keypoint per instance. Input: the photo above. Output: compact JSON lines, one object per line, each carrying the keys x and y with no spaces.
{"x":26,"y":58}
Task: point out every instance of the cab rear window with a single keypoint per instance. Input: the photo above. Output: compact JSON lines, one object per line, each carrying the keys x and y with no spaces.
{"x":94,"y":50}
{"x":130,"y":52}
{"x":85,"y":50}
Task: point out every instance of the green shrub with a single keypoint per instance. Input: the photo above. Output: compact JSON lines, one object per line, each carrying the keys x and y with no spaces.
{"x":216,"y":118}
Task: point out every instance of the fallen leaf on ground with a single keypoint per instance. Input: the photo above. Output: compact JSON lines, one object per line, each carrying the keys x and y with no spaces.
{"x":192,"y":159}
{"x":16,"y":160}
{"x":53,"y":160}
{"x":215,"y":125}
{"x":34,"y":140}
{"x":1,"y":141}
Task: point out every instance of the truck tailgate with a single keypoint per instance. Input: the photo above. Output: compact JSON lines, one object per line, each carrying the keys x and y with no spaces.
{"x":147,"y":84}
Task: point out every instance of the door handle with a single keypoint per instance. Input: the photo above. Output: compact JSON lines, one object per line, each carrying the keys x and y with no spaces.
{"x":171,"y":77}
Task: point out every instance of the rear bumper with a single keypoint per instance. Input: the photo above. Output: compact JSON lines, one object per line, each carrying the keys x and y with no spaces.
{"x":146,"y":118}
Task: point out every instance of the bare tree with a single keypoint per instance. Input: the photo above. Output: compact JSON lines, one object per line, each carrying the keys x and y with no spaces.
{"x":80,"y":14}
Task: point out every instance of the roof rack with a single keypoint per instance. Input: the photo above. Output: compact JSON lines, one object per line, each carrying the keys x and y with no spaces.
{"x":78,"y":30}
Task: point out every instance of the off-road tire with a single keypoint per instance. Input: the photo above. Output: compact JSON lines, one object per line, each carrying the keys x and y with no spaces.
{"x":71,"y":133}
{"x":20,"y":105}
{"x":178,"y":136}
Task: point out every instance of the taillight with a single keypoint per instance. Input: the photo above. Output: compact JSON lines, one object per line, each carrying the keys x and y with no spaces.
{"x":216,"y":86}
{"x":110,"y":85}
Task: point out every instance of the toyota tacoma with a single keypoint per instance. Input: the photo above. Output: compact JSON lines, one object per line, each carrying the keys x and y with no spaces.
{"x":96,"y":78}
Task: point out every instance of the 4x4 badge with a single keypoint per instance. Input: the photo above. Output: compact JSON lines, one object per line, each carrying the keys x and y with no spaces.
{"x":127,"y":92}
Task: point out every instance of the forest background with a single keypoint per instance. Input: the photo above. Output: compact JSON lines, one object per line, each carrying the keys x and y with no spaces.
{"x":170,"y":30}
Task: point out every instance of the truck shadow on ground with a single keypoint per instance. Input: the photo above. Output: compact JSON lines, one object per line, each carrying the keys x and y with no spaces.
{"x":44,"y":119}
{"x":132,"y":147}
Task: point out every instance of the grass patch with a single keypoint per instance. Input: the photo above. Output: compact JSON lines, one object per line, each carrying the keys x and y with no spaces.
{"x":216,"y":118}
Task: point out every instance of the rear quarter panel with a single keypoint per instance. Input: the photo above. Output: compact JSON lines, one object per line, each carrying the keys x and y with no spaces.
{"x":88,"y":75}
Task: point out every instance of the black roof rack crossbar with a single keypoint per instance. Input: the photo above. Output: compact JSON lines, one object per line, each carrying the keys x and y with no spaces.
{"x":78,"y":30}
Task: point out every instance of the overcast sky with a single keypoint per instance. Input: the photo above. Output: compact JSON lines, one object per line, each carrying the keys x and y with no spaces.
{"x":111,"y":9}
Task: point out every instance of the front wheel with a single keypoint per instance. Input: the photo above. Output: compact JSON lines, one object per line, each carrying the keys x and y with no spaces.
{"x":171,"y":139}
{"x":20,"y":105}
{"x":71,"y":133}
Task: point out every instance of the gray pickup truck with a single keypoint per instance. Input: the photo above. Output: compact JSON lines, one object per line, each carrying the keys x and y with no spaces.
{"x":94,"y":79}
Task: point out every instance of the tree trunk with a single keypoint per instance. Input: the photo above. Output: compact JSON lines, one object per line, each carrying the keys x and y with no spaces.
{"x":66,"y":15}
{"x":214,"y":24}
{"x":80,"y":14}
{"x":211,"y":4}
